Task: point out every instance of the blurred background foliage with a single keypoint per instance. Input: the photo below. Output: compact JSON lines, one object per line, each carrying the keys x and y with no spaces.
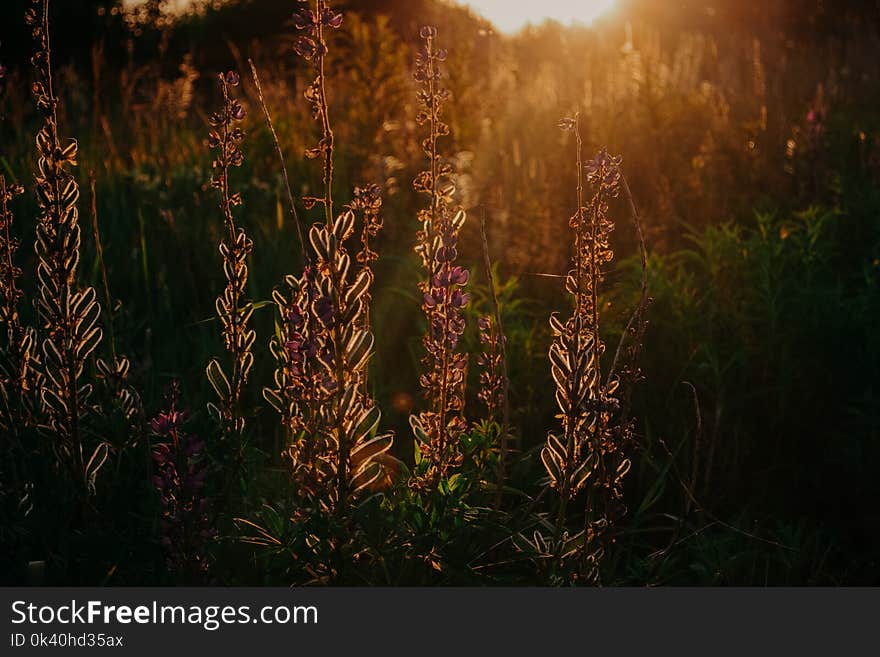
{"x":750,"y":138}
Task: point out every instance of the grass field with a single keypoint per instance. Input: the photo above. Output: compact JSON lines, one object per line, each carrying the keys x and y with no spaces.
{"x":283,"y":316}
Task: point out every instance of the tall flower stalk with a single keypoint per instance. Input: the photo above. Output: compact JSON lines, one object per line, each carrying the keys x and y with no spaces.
{"x":438,"y":430}
{"x":494,"y":380}
{"x":590,"y":452}
{"x":490,"y":361}
{"x":180,"y":481}
{"x":368,"y":202}
{"x":233,"y":308}
{"x":18,"y":374}
{"x":326,"y":343}
{"x":69,"y":315}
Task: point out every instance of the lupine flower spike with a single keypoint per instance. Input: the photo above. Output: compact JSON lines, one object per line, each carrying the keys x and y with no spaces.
{"x":438,"y":430}
{"x":69,"y":315}
{"x":589,"y":454}
{"x":233,"y":308}
{"x":326,"y":344}
{"x":180,"y":481}
{"x":18,"y":367}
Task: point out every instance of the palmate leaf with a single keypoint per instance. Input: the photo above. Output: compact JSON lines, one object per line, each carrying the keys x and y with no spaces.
{"x":320,"y":242}
{"x":366,"y":424}
{"x":85,"y":311}
{"x":343,"y":227}
{"x":581,"y":474}
{"x":560,"y":359}
{"x":368,"y":450}
{"x":343,"y":263}
{"x":556,"y":325}
{"x":218,"y":379}
{"x":458,"y":219}
{"x":365,"y":476}
{"x":247,"y":363}
{"x":53,"y":401}
{"x":88,"y":343}
{"x":361,"y":284}
{"x":97,"y":460}
{"x":274,"y":399}
{"x":70,"y":193}
{"x":551,"y":465}
{"x":418,"y":429}
{"x":554,"y":456}
{"x":85,"y":390}
{"x":358,"y":349}
{"x":80,"y":301}
{"x":52,"y":357}
{"x":572,"y":545}
{"x":348,"y":403}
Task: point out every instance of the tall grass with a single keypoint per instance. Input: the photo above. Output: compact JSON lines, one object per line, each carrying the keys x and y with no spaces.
{"x":328,"y":495}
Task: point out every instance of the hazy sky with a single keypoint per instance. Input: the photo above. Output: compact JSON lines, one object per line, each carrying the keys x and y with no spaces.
{"x":511,"y":15}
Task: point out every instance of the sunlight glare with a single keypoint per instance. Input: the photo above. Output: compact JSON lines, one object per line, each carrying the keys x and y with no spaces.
{"x":513,"y":15}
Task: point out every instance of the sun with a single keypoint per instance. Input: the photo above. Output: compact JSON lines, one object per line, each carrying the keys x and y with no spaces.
{"x":513,"y":15}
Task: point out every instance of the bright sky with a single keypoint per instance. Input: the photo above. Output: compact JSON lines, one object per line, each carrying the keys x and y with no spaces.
{"x":511,"y":15}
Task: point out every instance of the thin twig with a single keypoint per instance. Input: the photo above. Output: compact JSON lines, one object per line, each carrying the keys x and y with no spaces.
{"x":699,"y":507}
{"x":541,"y":275}
{"x":290,"y":201}
{"x":698,"y":439}
{"x":100,"y":252}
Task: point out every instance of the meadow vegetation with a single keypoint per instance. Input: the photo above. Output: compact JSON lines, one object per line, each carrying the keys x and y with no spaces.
{"x":371,"y":294}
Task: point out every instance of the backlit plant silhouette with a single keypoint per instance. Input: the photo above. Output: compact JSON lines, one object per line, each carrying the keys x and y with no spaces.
{"x":590,"y":454}
{"x":335,"y":506}
{"x":180,"y":480}
{"x":69,"y":314}
{"x":233,"y":309}
{"x":18,"y":373}
{"x":325,"y":346}
{"x":438,"y":430}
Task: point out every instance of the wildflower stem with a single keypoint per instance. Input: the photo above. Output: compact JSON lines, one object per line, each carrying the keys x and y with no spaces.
{"x":291,"y":205}
{"x":100,"y":251}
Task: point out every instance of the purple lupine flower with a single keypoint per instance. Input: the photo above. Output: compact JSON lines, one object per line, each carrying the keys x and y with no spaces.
{"x":305,"y":47}
{"x":452,"y":276}
{"x":324,"y":310}
{"x":296,"y":317}
{"x":305,"y":20}
{"x":180,"y":480}
{"x":331,"y":19}
{"x":165,"y":422}
{"x":444,"y":380}
{"x":237,"y":110}
{"x":459,"y":299}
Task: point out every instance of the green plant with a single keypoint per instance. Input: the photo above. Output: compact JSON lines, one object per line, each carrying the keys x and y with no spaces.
{"x":324,"y":349}
{"x":438,"y":430}
{"x":69,"y":314}
{"x":591,"y":453}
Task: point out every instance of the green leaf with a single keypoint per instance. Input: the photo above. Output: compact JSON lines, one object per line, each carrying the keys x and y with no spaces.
{"x":274,"y":399}
{"x":97,"y":460}
{"x":218,"y":379}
